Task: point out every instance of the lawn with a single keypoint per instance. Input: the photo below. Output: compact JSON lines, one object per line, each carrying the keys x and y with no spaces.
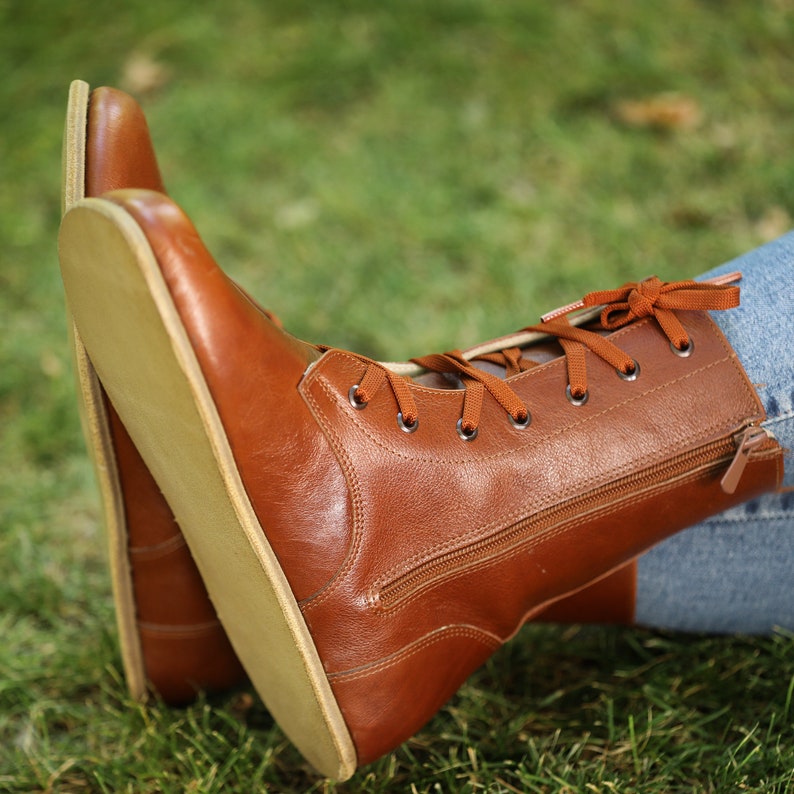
{"x":396,"y":178}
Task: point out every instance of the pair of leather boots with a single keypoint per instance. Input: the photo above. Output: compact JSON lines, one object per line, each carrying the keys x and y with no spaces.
{"x":369,"y":533}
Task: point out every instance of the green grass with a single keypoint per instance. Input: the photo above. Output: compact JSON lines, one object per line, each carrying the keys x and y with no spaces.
{"x":398,"y":178}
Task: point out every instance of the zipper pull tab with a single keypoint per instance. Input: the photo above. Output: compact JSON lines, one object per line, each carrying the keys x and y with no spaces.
{"x":748,"y":440}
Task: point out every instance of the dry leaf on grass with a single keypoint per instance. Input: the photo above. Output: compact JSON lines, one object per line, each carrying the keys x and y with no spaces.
{"x":661,"y":112}
{"x":142,"y":74}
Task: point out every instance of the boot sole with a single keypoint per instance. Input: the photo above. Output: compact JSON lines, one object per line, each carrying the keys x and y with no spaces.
{"x":142,"y":355}
{"x":94,"y":418}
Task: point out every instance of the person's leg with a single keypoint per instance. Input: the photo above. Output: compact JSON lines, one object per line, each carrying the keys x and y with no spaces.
{"x":732,"y":573}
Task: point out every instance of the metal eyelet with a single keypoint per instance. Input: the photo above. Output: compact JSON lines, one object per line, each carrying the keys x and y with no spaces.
{"x":520,"y":425}
{"x":684,"y":352}
{"x":351,"y":396}
{"x":404,"y":427}
{"x":633,"y":375}
{"x":577,"y":401}
{"x":463,"y":434}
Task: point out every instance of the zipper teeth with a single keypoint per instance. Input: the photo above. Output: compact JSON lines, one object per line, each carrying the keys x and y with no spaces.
{"x":715,"y":453}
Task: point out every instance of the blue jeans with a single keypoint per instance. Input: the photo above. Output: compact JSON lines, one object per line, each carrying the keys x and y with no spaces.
{"x":735,"y":572}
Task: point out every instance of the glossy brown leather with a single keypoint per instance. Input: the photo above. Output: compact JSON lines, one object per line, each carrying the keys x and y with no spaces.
{"x":185,"y":648}
{"x":377,"y":530}
{"x":119,"y":151}
{"x":608,"y":601}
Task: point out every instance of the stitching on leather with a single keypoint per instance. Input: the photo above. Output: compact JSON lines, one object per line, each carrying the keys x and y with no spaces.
{"x":531,"y":542}
{"x":406,"y":565}
{"x":331,"y":392}
{"x":513,"y":518}
{"x":526,"y":511}
{"x":467,"y":632}
{"x":358,"y":510}
{"x":658,"y":454}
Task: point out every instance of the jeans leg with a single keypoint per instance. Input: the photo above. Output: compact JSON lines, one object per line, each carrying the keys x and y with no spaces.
{"x":734,"y":572}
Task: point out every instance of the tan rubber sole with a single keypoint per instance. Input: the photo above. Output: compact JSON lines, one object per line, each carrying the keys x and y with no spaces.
{"x":94,"y":419}
{"x":142,"y":355}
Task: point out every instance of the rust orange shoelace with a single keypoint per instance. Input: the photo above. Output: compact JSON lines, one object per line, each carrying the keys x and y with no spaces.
{"x":633,"y":301}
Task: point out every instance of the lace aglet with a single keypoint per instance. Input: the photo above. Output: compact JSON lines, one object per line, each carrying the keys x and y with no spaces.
{"x":721,"y":281}
{"x":563,"y":310}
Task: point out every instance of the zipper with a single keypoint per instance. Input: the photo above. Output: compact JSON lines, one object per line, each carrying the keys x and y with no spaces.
{"x":734,"y":450}
{"x":749,"y":439}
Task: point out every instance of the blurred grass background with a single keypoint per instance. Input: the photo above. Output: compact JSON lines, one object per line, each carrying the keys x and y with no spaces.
{"x":398,"y":178}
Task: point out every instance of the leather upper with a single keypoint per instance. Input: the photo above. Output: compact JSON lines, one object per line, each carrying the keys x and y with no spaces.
{"x":609,"y":600}
{"x":184,"y":646}
{"x":414,"y":556}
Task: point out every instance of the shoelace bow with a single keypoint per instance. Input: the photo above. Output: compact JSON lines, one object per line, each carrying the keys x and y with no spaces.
{"x":627,"y":304}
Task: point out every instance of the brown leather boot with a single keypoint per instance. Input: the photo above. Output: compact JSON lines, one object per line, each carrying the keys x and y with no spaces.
{"x":169,"y":634}
{"x":171,"y":640}
{"x":369,"y":539}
